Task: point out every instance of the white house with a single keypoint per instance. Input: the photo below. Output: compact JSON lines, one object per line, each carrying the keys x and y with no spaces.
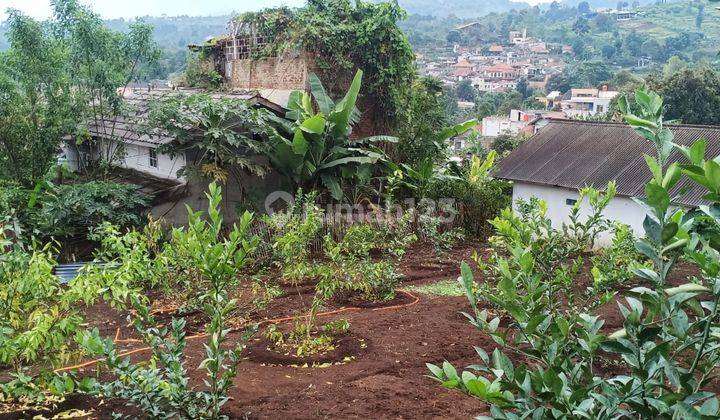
{"x":517,"y":122}
{"x":568,"y":154}
{"x":138,"y":159}
{"x":587,"y":102}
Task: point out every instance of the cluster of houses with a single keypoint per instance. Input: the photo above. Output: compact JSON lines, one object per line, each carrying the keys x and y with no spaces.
{"x":497,"y":67}
{"x":573,"y":104}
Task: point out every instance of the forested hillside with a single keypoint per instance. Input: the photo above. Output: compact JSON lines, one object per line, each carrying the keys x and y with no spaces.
{"x":475,"y":8}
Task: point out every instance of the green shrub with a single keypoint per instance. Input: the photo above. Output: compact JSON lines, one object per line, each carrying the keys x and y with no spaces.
{"x":477,"y":196}
{"x":39,"y":317}
{"x":669,"y":347}
{"x":350,"y":268}
{"x":161,"y":389}
{"x":528,"y":283}
{"x":294,"y":232}
{"x":70,"y":210}
{"x":432,"y":231}
{"x":615,"y":265}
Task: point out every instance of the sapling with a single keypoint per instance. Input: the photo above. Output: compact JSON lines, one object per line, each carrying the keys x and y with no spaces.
{"x":667,"y":339}
{"x":161,"y":389}
{"x":528,"y":282}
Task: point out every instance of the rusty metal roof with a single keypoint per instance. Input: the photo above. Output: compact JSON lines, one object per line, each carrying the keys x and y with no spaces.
{"x":575,"y":154}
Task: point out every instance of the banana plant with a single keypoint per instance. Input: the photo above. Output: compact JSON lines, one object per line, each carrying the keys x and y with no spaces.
{"x":422,"y":176}
{"x":316,"y":150}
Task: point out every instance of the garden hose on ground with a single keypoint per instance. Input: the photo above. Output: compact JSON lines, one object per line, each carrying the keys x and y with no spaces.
{"x":266,"y":321}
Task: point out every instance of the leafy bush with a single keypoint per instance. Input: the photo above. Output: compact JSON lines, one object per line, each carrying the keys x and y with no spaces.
{"x":442,"y":240}
{"x":615,"y":265}
{"x":350,"y":268}
{"x":39,"y":317}
{"x":161,"y":389}
{"x":669,"y":347}
{"x":529,"y":276}
{"x":476,"y":194}
{"x":315,"y":150}
{"x":13,"y":198}
{"x":293,"y":233}
{"x":667,"y":341}
{"x":70,"y":210}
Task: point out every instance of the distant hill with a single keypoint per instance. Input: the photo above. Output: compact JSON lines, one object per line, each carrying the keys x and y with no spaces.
{"x":460,"y":8}
{"x":178,"y":31}
{"x":478,"y":8}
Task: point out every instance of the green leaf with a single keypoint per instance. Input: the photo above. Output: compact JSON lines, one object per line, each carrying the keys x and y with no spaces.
{"x":655,"y":168}
{"x":669,"y":232}
{"x":325,"y":103}
{"x":467,"y":281}
{"x":450,"y":371}
{"x":612,"y":346}
{"x":314,"y":124}
{"x":710,"y":407}
{"x":436,"y":371}
{"x":672,"y":176}
{"x":503,"y":363}
{"x":657,"y":198}
{"x":299,"y":144}
{"x":456,"y":130}
{"x":344,"y":109}
{"x":712,"y":174}
{"x":695,"y":153}
{"x":623,"y":105}
{"x":332,"y":184}
{"x":637,"y":121}
{"x":351,"y":159}
{"x":377,"y":139}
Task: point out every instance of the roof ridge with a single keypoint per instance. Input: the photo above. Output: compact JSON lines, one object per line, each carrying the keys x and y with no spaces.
{"x":585,"y":122}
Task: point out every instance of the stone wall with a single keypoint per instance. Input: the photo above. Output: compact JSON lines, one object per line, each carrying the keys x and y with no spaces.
{"x":283,"y":73}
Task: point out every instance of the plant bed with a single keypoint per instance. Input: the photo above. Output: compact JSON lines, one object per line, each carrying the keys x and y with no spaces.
{"x":356,"y":301}
{"x":346,"y":347}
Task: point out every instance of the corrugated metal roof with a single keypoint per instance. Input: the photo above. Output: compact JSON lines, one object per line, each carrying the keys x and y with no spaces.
{"x":574,"y":154}
{"x":127,"y":127}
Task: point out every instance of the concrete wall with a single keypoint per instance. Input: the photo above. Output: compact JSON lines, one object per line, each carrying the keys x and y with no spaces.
{"x":138,"y":157}
{"x":286,"y":73}
{"x":621,"y":209}
{"x":135,"y":156}
{"x":240,"y":189}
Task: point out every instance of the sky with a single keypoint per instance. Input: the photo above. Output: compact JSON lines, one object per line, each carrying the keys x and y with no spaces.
{"x":111,"y":9}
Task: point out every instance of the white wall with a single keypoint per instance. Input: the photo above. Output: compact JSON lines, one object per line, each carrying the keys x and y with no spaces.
{"x":494,"y":126}
{"x":621,"y":209}
{"x":138,"y":157}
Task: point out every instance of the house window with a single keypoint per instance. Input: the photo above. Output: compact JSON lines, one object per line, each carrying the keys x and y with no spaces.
{"x":600,"y":108}
{"x":153,"y":158}
{"x":570,"y":201}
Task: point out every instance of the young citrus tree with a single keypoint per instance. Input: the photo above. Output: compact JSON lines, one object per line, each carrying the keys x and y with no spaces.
{"x":162,"y":388}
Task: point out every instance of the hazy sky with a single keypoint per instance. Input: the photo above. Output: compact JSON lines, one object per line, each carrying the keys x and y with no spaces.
{"x":131,"y":8}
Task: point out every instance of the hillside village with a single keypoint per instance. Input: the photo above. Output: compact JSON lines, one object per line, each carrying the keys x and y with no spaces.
{"x":317,"y":219}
